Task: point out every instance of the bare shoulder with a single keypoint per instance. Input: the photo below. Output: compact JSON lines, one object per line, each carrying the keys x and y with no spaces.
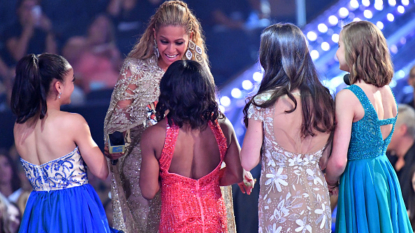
{"x":155,"y":133}
{"x":226,"y":126}
{"x":346,"y":96}
{"x":72,"y":120}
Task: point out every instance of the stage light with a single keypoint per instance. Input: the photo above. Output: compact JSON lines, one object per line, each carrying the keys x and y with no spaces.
{"x":325,"y":46}
{"x":333,"y":20}
{"x":314,"y":54}
{"x":322,"y":28}
{"x":354,"y":4}
{"x":393,"y":49}
{"x":379,"y":6}
{"x":257,"y":76}
{"x":366,"y":3}
{"x":392,"y":2}
{"x":343,"y":12}
{"x":401,"y":74}
{"x":390,"y":17}
{"x":225,"y":101}
{"x":356,"y":19}
{"x":380,"y":25}
{"x":405,"y":2}
{"x":335,"y":38}
{"x":401,"y":9}
{"x":368,"y":14}
{"x":312,"y":36}
{"x":236,"y":93}
{"x":247,"y":85}
{"x":221,"y":108}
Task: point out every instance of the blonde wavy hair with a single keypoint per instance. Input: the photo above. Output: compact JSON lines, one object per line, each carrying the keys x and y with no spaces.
{"x":170,"y":13}
{"x":367,"y":54}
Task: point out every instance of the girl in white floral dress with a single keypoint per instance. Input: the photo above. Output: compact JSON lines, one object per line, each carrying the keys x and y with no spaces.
{"x":289,"y":123}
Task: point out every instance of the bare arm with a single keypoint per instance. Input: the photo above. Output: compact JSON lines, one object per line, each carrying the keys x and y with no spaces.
{"x":344,"y":119}
{"x":232,"y":173}
{"x":150,"y":168}
{"x":90,"y":151}
{"x":251,"y":149}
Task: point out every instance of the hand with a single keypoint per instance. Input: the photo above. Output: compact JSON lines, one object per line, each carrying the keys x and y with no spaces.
{"x":248,"y":183}
{"x":113,"y":156}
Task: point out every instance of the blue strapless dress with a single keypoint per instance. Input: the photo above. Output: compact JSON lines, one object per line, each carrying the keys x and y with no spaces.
{"x":370,"y":198}
{"x":62,"y":200}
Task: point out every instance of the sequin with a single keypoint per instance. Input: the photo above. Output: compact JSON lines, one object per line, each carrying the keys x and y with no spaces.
{"x":139,"y":83}
{"x":190,"y":205}
{"x":293,"y":194}
{"x":364,"y":141}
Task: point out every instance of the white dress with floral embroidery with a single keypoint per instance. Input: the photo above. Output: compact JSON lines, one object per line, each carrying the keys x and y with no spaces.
{"x":293,"y":192}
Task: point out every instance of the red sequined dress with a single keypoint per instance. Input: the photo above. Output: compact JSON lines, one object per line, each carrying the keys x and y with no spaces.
{"x":189,"y":205}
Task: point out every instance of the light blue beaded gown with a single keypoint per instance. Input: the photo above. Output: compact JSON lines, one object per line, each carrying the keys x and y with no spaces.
{"x":62,"y":200}
{"x":370,"y":198}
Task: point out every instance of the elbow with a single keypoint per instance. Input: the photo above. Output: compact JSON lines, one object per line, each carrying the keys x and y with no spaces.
{"x":103,"y":175}
{"x":149,"y":194}
{"x":248,"y":165}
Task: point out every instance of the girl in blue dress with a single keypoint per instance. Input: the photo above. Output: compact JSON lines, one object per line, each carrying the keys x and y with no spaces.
{"x":55,"y":148}
{"x":370,"y":198}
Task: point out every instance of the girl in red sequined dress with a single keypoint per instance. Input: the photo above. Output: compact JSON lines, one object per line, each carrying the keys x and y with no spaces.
{"x":182,"y":154}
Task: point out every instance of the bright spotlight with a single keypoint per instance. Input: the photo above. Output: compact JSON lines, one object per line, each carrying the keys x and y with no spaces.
{"x":354,"y":4}
{"x":335,"y":38}
{"x":368,"y":14}
{"x":236,"y":93}
{"x":322,"y":28}
{"x":390,"y":17}
{"x":343,"y":12}
{"x":366,"y":3}
{"x":225,"y":101}
{"x":314,"y":54}
{"x":380,"y":25}
{"x":379,"y":6}
{"x":312,"y":36}
{"x":257,"y":76}
{"x":405,"y":2}
{"x":333,"y":20}
{"x":325,"y":46}
{"x":401,"y":9}
{"x":392,"y":2}
{"x":247,"y":85}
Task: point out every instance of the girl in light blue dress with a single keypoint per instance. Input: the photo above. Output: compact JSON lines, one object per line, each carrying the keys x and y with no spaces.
{"x":55,"y":148}
{"x":370,"y":198}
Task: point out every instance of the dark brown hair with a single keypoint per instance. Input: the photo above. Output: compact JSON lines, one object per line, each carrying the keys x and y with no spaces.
{"x":286,"y":60}
{"x":367,"y":54}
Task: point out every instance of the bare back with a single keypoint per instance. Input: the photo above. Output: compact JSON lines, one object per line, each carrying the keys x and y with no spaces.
{"x":383,"y":102}
{"x":40,"y":141}
{"x":287,"y":128}
{"x":196,"y":152}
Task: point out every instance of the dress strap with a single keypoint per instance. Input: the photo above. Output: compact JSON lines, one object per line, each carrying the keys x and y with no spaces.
{"x":169,"y":144}
{"x":364,"y":100}
{"x":220,"y":138}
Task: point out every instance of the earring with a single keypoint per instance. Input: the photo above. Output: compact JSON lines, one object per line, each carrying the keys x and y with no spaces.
{"x":193,"y":47}
{"x":59,"y":96}
{"x":156,"y":49}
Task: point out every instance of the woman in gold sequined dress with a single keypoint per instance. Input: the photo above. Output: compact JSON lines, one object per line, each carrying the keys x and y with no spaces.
{"x":173,"y":34}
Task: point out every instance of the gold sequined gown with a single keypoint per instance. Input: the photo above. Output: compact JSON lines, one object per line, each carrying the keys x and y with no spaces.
{"x":132,"y":110}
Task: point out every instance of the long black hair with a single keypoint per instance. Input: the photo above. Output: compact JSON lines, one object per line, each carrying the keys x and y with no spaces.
{"x":34,"y":75}
{"x":188,"y":95}
{"x":285,"y":57}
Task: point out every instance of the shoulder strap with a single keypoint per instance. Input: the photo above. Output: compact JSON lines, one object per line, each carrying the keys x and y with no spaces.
{"x":169,"y":145}
{"x":361,"y":95}
{"x":220,"y":138}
